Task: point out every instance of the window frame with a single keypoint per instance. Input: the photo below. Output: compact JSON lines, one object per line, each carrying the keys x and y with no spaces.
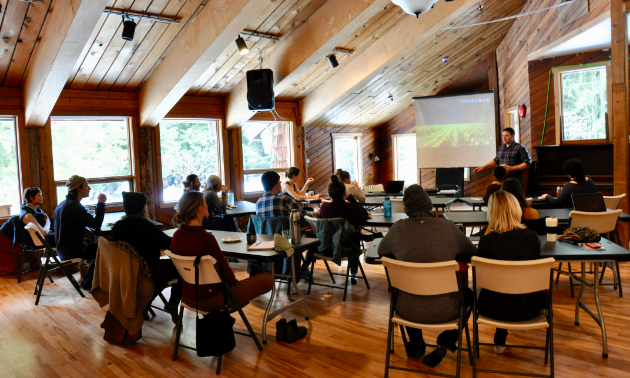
{"x":557,"y":85}
{"x":395,"y":138}
{"x":132,"y":177}
{"x":357,"y":137}
{"x":22,"y":155}
{"x":158,"y":157}
{"x":508,"y":113}
{"x":292,"y":148}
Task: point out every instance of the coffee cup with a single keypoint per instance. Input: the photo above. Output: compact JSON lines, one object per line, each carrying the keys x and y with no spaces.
{"x":552,"y":229}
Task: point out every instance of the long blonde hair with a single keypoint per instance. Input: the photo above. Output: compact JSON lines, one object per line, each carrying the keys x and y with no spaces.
{"x":504,"y":212}
{"x":188,"y":205}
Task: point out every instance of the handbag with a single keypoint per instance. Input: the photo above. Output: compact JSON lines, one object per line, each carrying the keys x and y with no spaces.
{"x":215,"y":335}
{"x":581,"y":235}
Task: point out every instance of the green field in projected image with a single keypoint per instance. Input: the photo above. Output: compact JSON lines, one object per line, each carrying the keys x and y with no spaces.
{"x":457,"y":135}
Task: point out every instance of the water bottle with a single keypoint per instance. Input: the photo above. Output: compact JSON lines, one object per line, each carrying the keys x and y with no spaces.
{"x":296,"y":235}
{"x":387,"y":207}
{"x":231,"y":198}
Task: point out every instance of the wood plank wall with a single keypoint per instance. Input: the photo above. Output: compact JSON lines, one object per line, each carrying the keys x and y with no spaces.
{"x":527,"y":35}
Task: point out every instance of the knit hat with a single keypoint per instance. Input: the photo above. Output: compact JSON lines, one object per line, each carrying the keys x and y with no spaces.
{"x":416,"y":200}
{"x":213,"y":180}
{"x":133,"y":202}
{"x":75,"y":181}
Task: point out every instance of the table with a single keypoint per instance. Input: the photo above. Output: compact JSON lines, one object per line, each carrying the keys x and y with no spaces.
{"x":243,"y":208}
{"x":380,"y":220}
{"x":382,"y":194}
{"x":473,"y":201}
{"x":111,"y":218}
{"x":438,"y":202}
{"x":480,"y":218}
{"x":239,"y":250}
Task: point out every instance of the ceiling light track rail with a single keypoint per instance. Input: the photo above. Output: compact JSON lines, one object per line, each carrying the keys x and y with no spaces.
{"x":260,"y":35}
{"x":140,"y":15}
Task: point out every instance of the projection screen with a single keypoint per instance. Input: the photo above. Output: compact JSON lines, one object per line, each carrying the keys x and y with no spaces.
{"x":455,"y":131}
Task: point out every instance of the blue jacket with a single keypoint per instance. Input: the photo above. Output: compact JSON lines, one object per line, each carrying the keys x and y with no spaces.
{"x":71,"y":219}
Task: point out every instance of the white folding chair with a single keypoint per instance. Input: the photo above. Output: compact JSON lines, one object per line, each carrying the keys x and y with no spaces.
{"x":378,"y":188}
{"x":514,"y":277}
{"x":50,"y":261}
{"x":207,"y":275}
{"x":612,"y":202}
{"x":397,"y":205}
{"x":604,"y":223}
{"x":426,"y":279}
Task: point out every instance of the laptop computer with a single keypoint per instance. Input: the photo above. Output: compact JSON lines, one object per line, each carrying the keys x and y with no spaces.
{"x":592,"y":203}
{"x":394,"y":186}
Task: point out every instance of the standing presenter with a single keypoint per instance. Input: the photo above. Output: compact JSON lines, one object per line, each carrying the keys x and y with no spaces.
{"x":511,"y":155}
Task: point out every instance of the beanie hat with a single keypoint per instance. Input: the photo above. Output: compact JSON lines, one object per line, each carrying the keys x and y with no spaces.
{"x":416,"y":200}
{"x":75,"y":181}
{"x":133,"y":202}
{"x":213,"y":180}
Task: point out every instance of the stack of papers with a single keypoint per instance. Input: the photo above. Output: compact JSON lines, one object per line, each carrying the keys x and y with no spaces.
{"x":261,"y":246}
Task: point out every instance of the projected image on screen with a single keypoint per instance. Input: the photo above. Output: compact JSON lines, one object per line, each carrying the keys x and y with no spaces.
{"x":455,"y":131}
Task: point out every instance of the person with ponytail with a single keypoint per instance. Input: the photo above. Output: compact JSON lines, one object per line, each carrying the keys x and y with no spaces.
{"x":351,"y":186}
{"x":290,"y":186}
{"x":191,"y":239}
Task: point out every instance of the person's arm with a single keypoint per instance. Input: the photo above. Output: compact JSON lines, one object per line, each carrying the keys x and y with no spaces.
{"x":565,"y":195}
{"x":465,"y":247}
{"x":291,"y":204}
{"x":85,"y":219}
{"x":492,"y":164}
{"x":306,"y":184}
{"x":483,"y":248}
{"x":298,"y":196}
{"x":29,"y":218}
{"x":357,"y":193}
{"x":212,"y":248}
{"x":386,"y":247}
{"x":489,"y":191}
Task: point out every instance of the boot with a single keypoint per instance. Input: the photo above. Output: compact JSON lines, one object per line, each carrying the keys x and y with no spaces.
{"x":281,"y":326}
{"x":293,"y":332}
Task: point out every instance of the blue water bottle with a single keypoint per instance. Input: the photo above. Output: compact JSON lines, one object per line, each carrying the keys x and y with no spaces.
{"x":387,"y":207}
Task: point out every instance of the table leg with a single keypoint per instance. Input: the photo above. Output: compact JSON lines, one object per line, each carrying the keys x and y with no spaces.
{"x":265,"y":318}
{"x":579,"y":298}
{"x":600,"y":315}
{"x":296,"y":286}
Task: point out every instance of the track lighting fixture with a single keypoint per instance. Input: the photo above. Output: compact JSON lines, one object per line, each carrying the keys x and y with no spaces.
{"x":129,"y":28}
{"x":241,"y":45}
{"x":332,"y":60}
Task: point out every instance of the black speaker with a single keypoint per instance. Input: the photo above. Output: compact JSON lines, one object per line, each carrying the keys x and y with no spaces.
{"x":260,"y":90}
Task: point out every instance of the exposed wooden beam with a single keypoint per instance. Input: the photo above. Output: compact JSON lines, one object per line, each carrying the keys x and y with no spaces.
{"x":217,"y":25}
{"x":311,"y":42}
{"x":619,"y":73}
{"x":400,"y":41}
{"x":68,"y":27}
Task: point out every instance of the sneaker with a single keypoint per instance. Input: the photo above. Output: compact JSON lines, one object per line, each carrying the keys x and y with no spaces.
{"x":293,"y":332}
{"x":281,"y":326}
{"x":499,"y":349}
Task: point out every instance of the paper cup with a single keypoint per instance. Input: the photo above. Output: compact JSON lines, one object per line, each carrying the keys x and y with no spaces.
{"x":552,"y":229}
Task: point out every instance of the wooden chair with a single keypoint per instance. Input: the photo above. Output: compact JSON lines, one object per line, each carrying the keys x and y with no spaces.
{"x":207,"y":275}
{"x":50,"y":261}
{"x":514,"y":277}
{"x":427,"y":280}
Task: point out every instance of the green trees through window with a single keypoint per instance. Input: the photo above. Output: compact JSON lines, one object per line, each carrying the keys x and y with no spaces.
{"x":9,"y":185}
{"x":584,"y":104}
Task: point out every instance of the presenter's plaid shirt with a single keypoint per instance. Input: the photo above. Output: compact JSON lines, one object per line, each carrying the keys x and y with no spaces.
{"x":512,"y":155}
{"x":278,"y":205}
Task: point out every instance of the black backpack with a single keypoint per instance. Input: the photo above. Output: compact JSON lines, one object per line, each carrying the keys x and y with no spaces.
{"x":8,"y":228}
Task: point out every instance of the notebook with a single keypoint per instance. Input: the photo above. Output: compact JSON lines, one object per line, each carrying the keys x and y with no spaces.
{"x":261,"y":246}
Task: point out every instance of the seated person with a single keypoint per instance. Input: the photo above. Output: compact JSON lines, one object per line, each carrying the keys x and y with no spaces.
{"x":274,"y":203}
{"x":136,"y":229}
{"x":290,"y":186}
{"x":192,"y":183}
{"x":425,"y":239}
{"x":500,"y":174}
{"x":193,"y":240}
{"x":579,"y":184}
{"x":352,"y":212}
{"x":32,"y":213}
{"x":510,"y":241}
{"x":216,"y":206}
{"x":351,"y":186}
{"x":71,"y":219}
{"x":513,"y":187}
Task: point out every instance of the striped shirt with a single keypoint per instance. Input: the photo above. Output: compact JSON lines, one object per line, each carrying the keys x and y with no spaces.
{"x":278,"y":205}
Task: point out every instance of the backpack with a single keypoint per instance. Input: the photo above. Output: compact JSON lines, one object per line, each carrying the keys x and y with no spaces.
{"x":581,"y":234}
{"x":8,"y":228}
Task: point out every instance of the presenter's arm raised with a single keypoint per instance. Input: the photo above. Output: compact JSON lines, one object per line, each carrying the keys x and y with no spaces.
{"x":492,"y":164}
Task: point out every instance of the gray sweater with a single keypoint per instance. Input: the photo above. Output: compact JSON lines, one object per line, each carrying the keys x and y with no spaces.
{"x":213,"y":201}
{"x":426,"y":239}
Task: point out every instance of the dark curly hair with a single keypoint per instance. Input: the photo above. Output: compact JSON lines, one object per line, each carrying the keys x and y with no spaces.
{"x":336,"y":188}
{"x":575,"y":169}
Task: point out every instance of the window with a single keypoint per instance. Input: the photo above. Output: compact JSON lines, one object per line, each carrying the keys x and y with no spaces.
{"x":582,"y":105}
{"x":347,"y":154}
{"x":97,"y":149}
{"x":513,"y":120}
{"x":405,"y":160}
{"x":266,"y":146}
{"x":187,"y":146}
{"x":9,"y":174}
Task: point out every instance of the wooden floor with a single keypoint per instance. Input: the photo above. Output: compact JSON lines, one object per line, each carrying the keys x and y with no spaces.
{"x":62,"y":338}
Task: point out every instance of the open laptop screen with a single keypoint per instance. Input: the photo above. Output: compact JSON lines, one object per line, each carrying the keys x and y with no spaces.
{"x":394,"y":186}
{"x":592,"y":203}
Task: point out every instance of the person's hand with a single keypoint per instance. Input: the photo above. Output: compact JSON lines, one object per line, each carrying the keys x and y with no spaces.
{"x":543,"y":197}
{"x":310,"y":180}
{"x":317,"y":211}
{"x":507,"y":167}
{"x":355,"y":183}
{"x":478,"y":169}
{"x":319,"y":196}
{"x":102,"y":198}
{"x":224,"y":189}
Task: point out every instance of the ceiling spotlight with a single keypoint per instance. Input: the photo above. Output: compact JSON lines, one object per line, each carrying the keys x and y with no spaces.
{"x":241,"y":45}
{"x":390,"y":97}
{"x":129,"y":27}
{"x":332,"y":60}
{"x":445,"y":61}
{"x":481,"y":6}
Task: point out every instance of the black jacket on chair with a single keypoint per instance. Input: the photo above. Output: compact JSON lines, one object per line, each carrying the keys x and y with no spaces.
{"x":515,"y":245}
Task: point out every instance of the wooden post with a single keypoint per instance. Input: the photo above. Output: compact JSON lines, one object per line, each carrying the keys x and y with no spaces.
{"x":619,"y":69}
{"x":493,"y":78}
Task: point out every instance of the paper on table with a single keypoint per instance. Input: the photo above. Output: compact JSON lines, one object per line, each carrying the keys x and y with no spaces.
{"x":476,"y":198}
{"x":261,"y":246}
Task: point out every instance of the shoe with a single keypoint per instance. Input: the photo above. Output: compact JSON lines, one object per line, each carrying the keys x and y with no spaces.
{"x":354,"y":279}
{"x":293,"y":332}
{"x":415,"y":351}
{"x":305,"y":274}
{"x":281,"y":326}
{"x":499,"y":349}
{"x":172,"y":309}
{"x":434,"y":358}
{"x":451,"y":346}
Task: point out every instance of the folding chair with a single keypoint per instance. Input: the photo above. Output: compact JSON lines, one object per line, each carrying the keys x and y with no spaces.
{"x":28,"y":247}
{"x":514,"y":277}
{"x":426,"y":279}
{"x":207,"y":275}
{"x":50,"y":262}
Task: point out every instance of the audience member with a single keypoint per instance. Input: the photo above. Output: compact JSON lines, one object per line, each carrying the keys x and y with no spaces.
{"x":191,"y":183}
{"x":32,"y":213}
{"x":510,"y":241}
{"x":351,"y":186}
{"x":290,"y":186}
{"x":352,"y":212}
{"x":500,"y":174}
{"x":579,"y":184}
{"x":425,"y":239}
{"x":274,"y":203}
{"x":217,"y":207}
{"x":513,"y":187}
{"x":193,"y":240}
{"x":147,"y":239}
